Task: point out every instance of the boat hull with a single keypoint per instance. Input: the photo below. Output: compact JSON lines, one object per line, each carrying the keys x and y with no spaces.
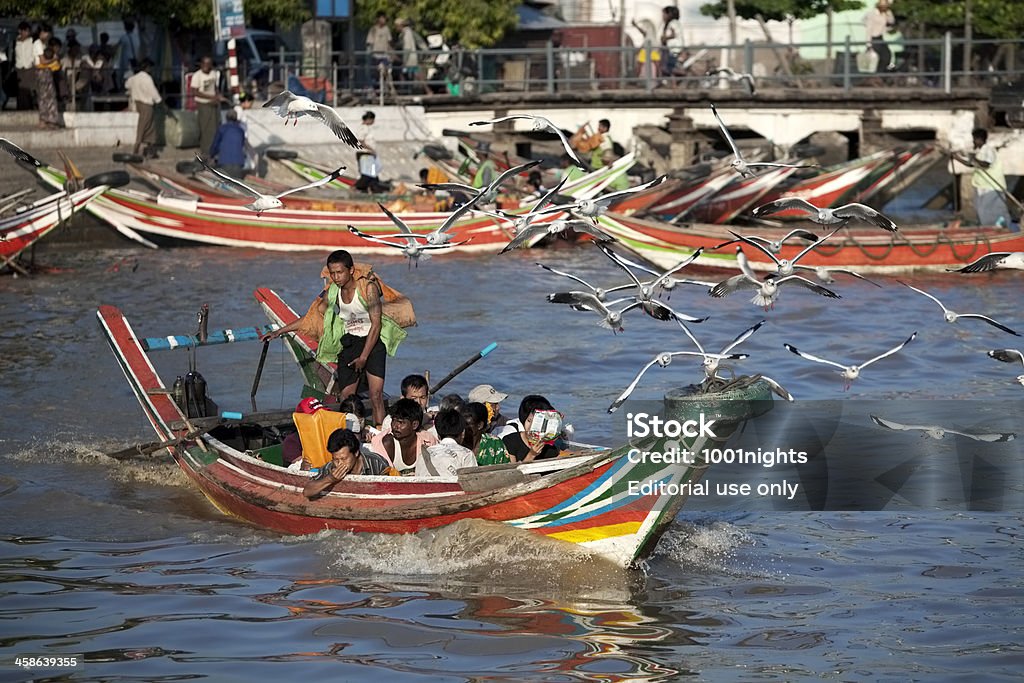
{"x":22,"y":230}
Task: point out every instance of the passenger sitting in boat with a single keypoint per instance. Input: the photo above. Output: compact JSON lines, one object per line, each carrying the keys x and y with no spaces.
{"x":491,"y":398}
{"x":416,"y":388}
{"x":346,"y":458}
{"x":446,"y":457}
{"x":520,"y":446}
{"x":489,"y":449}
{"x":405,"y":441}
{"x":355,"y":416}
{"x":449,"y":402}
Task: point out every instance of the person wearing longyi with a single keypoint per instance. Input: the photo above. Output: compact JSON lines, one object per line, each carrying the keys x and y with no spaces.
{"x":356,"y":332}
{"x":346,"y":458}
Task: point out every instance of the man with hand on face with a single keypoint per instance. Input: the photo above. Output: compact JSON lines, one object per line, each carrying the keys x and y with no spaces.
{"x":346,"y":458}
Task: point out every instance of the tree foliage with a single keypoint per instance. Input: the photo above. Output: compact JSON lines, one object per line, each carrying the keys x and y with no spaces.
{"x":472,"y":23}
{"x":779,"y":10}
{"x":186,"y":13}
{"x":989,"y":18}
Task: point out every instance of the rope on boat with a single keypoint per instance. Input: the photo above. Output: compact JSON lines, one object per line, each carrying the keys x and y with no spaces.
{"x":850,"y":240}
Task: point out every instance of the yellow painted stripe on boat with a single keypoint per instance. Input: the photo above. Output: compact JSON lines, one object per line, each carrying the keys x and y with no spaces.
{"x":597,"y":533}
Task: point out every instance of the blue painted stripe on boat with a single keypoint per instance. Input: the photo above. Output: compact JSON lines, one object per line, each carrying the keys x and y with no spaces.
{"x":607,"y":507}
{"x":178,"y":341}
{"x":623,"y":461}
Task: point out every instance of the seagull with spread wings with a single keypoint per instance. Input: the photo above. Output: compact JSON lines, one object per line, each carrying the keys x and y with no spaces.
{"x":263,"y":202}
{"x":997,"y":260}
{"x":741,"y":165}
{"x":937,"y":432}
{"x":540,"y":123}
{"x":664,"y":359}
{"x":850,"y":372}
{"x":767,"y":289}
{"x":824,"y":215}
{"x":18,"y":153}
{"x":952,"y":316}
{"x":783,"y":266}
{"x":712,"y":360}
{"x":611,"y":319}
{"x":291,"y":107}
{"x":554,"y":227}
{"x":1009,"y":356}
{"x":592,"y":208}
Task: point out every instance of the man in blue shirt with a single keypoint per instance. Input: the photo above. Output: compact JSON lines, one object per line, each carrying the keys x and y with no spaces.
{"x":228,"y":148}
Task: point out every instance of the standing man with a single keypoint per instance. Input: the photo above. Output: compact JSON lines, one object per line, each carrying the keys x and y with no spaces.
{"x":410,"y":43}
{"x":368,"y":159}
{"x":877,"y":22}
{"x":988,"y":180}
{"x":143,"y":93}
{"x":378,"y":44}
{"x":356,"y":332}
{"x":203,"y":86}
{"x":487,"y":170}
{"x":25,"y":64}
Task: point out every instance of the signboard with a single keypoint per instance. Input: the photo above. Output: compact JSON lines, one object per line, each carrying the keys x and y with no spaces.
{"x":333,"y":9}
{"x":228,"y":19}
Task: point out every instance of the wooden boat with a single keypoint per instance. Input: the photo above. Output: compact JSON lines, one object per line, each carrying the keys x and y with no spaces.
{"x":829,"y":187}
{"x":737,"y":196}
{"x":23,"y":229}
{"x":865,"y":249}
{"x":137,"y":213}
{"x":593,"y":499}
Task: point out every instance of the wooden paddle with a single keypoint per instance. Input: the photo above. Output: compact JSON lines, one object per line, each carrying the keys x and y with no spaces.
{"x":451,"y":375}
{"x":199,"y":426}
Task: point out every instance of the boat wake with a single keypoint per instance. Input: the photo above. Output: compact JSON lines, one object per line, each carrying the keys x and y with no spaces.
{"x":713,"y":546}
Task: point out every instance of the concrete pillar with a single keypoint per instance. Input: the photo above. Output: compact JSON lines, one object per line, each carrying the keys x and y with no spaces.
{"x":685,"y":145}
{"x":872,"y":137}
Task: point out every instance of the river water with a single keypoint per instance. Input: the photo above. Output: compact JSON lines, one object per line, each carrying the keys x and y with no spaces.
{"x":126,"y":565}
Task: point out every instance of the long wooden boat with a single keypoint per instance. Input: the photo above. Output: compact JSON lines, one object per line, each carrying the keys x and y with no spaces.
{"x":737,"y":196}
{"x":21,"y":230}
{"x":593,"y":499}
{"x":193,"y":220}
{"x":863,"y":249}
{"x":827,"y":188}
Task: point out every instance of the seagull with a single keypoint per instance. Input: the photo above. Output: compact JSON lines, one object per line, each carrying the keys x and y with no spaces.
{"x":784,"y":266}
{"x":826,"y":216}
{"x":592,"y":208}
{"x":600,"y":293}
{"x":739,"y":164}
{"x":438,"y":236}
{"x":1009,"y":356}
{"x":997,"y":260}
{"x":775,"y":386}
{"x":553,"y":228}
{"x":521,"y":221}
{"x":411,"y":248}
{"x":664,"y":359}
{"x":937,"y":432}
{"x":264,"y":202}
{"x":775,"y":245}
{"x":18,"y":153}
{"x":290,"y":106}
{"x":850,"y":372}
{"x":540,"y":123}
{"x":711,"y":360}
{"x":486,"y":195}
{"x":767,"y":289}
{"x":646,"y":290}
{"x":953,"y":316}
{"x":824,"y":274}
{"x":586,"y":301}
{"x":733,"y":77}
{"x":669,"y":283}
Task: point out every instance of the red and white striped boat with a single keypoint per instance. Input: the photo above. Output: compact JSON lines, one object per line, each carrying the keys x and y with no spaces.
{"x":28,"y":226}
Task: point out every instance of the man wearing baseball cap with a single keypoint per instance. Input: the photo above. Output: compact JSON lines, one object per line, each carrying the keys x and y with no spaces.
{"x":492,"y":398}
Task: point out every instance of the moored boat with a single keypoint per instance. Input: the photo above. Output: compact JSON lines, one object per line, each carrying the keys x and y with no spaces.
{"x":865,"y":249}
{"x":135,"y":213}
{"x":20,"y":231}
{"x":614,"y":505}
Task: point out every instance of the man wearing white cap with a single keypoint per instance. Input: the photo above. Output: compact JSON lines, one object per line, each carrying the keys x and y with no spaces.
{"x":492,"y":398}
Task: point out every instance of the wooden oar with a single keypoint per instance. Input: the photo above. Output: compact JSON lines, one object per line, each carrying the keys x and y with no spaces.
{"x":201,"y":425}
{"x":451,"y":375}
{"x":259,"y":373}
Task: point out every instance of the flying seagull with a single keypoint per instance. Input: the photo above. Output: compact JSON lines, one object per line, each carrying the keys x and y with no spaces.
{"x":441,"y":234}
{"x":600,"y":293}
{"x":784,"y":266}
{"x":264,"y":202}
{"x":410,"y":247}
{"x":712,"y":360}
{"x":997,"y":260}
{"x":850,"y":372}
{"x":592,"y":208}
{"x":826,"y":216}
{"x":485,"y":195}
{"x":775,"y":245}
{"x":1009,"y":356}
{"x":667,"y":282}
{"x":953,"y":316}
{"x":741,"y":165}
{"x":664,"y":359}
{"x":733,"y":77}
{"x":18,"y":153}
{"x":522,"y":220}
{"x":540,"y":123}
{"x":937,"y":432}
{"x":587,"y":301}
{"x":555,"y":227}
{"x":767,"y":289}
{"x":290,"y":106}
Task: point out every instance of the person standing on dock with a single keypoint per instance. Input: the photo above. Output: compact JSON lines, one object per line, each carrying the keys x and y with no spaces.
{"x":144,"y":95}
{"x":203,"y":86}
{"x":877,"y":22}
{"x":988,"y":180}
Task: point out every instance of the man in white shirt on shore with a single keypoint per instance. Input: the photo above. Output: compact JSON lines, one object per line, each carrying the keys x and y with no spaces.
{"x":144,"y":95}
